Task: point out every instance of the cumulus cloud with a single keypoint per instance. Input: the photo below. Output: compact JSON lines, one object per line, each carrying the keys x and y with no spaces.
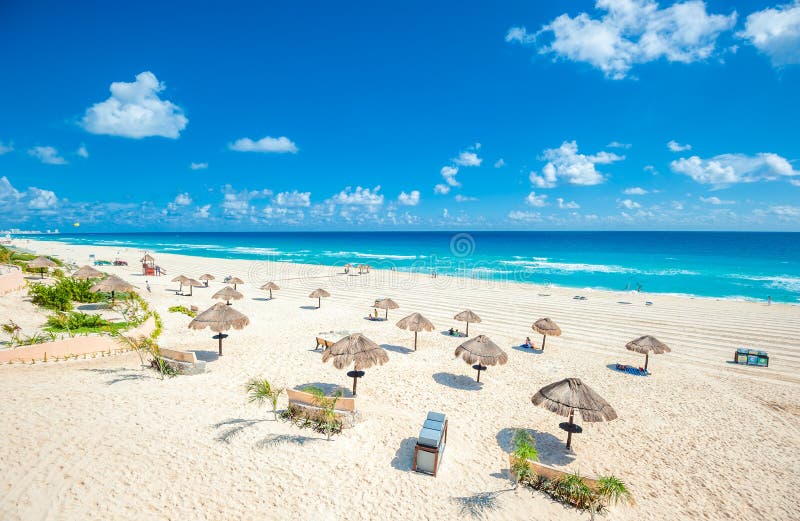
{"x":42,"y":199}
{"x":441,"y":189}
{"x":468,"y":159}
{"x":727,"y":169}
{"x":500,"y":163}
{"x":293,"y":198}
{"x":785,"y":211}
{"x":236,"y":204}
{"x":135,"y":110}
{"x":464,"y":198}
{"x":359,"y":196}
{"x":409,"y":199}
{"x":47,"y":155}
{"x":677,"y":147}
{"x":198,"y":166}
{"x":449,"y":175}
{"x":5,"y":148}
{"x":635,"y":190}
{"x":776,"y":32}
{"x":183,"y":199}
{"x":630,"y":32}
{"x":716,"y":201}
{"x":284,"y":215}
{"x":617,"y":144}
{"x":537,"y":201}
{"x":83,"y":152}
{"x":202,"y":212}
{"x":521,"y":216}
{"x":566,"y":163}
{"x":280,"y":145}
{"x":567,"y":205}
{"x":628,"y":204}
{"x":16,"y":202}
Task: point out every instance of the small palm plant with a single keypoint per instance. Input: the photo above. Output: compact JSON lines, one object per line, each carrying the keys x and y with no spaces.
{"x":13,"y":330}
{"x":524,"y":449}
{"x":610,"y":491}
{"x":259,"y":390}
{"x":573,"y":490}
{"x":327,"y":405}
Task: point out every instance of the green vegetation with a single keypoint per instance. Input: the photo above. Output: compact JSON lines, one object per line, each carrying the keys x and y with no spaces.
{"x":75,"y":322}
{"x":184,"y":310}
{"x":18,"y":258}
{"x":60,"y":295}
{"x":259,"y":391}
{"x":323,"y":420}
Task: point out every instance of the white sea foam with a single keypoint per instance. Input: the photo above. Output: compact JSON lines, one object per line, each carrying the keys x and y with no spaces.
{"x":784,"y":282}
{"x":372,"y":255}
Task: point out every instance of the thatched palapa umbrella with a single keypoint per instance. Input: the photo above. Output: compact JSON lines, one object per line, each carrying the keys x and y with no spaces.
{"x":206,"y":277}
{"x":386,"y":304}
{"x":194,"y":284}
{"x":568,"y":395}
{"x":111,"y":284}
{"x":270,"y":286}
{"x":43,"y":263}
{"x":358,"y":350}
{"x":468,"y":316}
{"x":482,"y":352}
{"x":416,"y":323}
{"x":647,"y":344}
{"x":87,"y":272}
{"x":227,"y":294}
{"x":319,"y":294}
{"x":546,"y":327}
{"x":219,"y":318}
{"x":182,"y":279}
{"x":235,"y":281}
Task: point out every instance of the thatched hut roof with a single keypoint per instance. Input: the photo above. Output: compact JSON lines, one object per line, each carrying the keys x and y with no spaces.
{"x":219,"y":317}
{"x":319,"y":293}
{"x":183,"y":279}
{"x":42,"y":262}
{"x":355,"y":349}
{"x":87,"y":272}
{"x":227,"y":293}
{"x":206,"y":276}
{"x":647,"y":344}
{"x":270,"y":285}
{"x":481,"y":350}
{"x":235,"y":280}
{"x":386,"y":303}
{"x":111,"y":283}
{"x":468,"y":316}
{"x":415,"y":322}
{"x":571,"y":394}
{"x":546,"y":326}
{"x":195,"y":283}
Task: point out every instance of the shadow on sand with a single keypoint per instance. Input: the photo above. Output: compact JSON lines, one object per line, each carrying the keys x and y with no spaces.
{"x":309,"y":307}
{"x":551,"y":449}
{"x":206,"y":356}
{"x":404,"y":457}
{"x":457,"y":381}
{"x":397,"y":349}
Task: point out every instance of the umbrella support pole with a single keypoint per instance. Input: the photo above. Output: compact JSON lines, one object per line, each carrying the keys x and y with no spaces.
{"x":468,"y":335}
{"x":646,"y":359}
{"x":355,"y":383}
{"x":415,"y":340}
{"x":569,"y":432}
{"x":387,"y":314}
{"x":319,"y":305}
{"x":270,"y":294}
{"x":544,"y":339}
{"x":220,"y":343}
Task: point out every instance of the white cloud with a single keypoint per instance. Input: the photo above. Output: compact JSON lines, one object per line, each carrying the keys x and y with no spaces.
{"x":795,"y":182}
{"x":134,"y":110}
{"x":236,"y":205}
{"x":464,"y":198}
{"x":617,"y":144}
{"x":183,"y":199}
{"x":441,"y":189}
{"x":280,"y":145}
{"x":198,"y":166}
{"x":500,"y":163}
{"x":570,"y":205}
{"x":629,"y":204}
{"x":631,"y":32}
{"x":651,"y":169}
{"x":293,"y":198}
{"x":83,"y":152}
{"x":635,"y":191}
{"x":537,"y":201}
{"x":468,"y":159}
{"x":449,"y":175}
{"x":727,"y":169}
{"x":202,"y":212}
{"x":409,"y":199}
{"x":715,"y":201}
{"x":566,"y":163}
{"x":361,"y":196}
{"x":676,"y":205}
{"x":47,"y":155}
{"x":677,"y":147}
{"x":785,"y":211}
{"x":6,"y":148}
{"x":284,"y":215}
{"x":776,"y":32}
{"x":41,"y":199}
{"x":521,"y":216}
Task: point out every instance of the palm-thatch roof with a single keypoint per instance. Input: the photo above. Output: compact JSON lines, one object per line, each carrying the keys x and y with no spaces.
{"x":355,"y":349}
{"x":386,"y":303}
{"x":647,"y":344}
{"x":87,"y":272}
{"x":42,"y":262}
{"x":206,"y":276}
{"x":227,"y":293}
{"x":183,"y":279}
{"x":416,"y":322}
{"x":319,"y":293}
{"x":482,"y":351}
{"x":468,"y":316}
{"x":111,"y":284}
{"x":219,"y":317}
{"x":235,"y":280}
{"x":571,"y":394}
{"x":270,"y":286}
{"x":546,"y":326}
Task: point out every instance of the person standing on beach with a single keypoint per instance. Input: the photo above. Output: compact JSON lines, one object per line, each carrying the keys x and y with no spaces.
{"x":147,"y":283}
{"x":769,"y":300}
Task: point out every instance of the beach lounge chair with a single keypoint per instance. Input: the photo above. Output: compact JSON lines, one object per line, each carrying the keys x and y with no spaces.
{"x":430,"y":445}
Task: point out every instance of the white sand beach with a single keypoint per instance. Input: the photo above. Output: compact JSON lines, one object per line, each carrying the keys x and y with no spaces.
{"x":701,"y":438}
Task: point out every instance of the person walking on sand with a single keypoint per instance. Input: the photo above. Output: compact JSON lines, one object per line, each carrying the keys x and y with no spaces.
{"x":769,"y":300}
{"x":147,"y":283}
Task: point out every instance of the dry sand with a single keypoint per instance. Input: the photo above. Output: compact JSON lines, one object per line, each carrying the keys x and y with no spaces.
{"x":700,"y":439}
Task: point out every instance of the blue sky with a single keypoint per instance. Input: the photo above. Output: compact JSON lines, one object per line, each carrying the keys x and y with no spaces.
{"x":615,"y":114}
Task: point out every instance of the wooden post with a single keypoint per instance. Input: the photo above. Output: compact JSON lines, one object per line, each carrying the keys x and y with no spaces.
{"x":319,"y":302}
{"x":220,"y":343}
{"x":415,"y":340}
{"x":467,"y":328}
{"x":569,"y":432}
{"x":646,"y":358}
{"x":544,"y":339}
{"x":355,"y":381}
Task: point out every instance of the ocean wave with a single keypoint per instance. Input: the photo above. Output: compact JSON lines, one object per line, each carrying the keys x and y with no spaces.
{"x":569,"y":267}
{"x":784,"y":282}
{"x":371,"y":255}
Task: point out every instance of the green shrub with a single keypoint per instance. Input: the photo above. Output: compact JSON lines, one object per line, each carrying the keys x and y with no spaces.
{"x":75,"y":320}
{"x":60,"y":295}
{"x":184,"y":310}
